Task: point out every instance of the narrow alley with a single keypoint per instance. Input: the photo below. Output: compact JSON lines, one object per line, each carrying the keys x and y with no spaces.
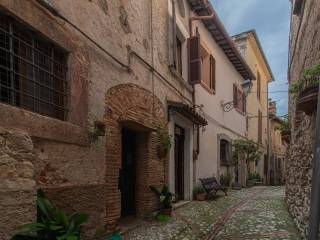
{"x":252,"y":213}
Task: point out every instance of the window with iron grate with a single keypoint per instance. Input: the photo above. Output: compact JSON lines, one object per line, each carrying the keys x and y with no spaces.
{"x":32,"y":70}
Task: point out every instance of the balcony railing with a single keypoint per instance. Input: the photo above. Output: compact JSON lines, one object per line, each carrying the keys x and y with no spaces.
{"x":308,"y":95}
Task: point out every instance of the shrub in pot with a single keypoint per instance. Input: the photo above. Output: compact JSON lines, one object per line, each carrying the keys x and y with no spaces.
{"x":199,"y":193}
{"x":165,"y":199}
{"x":225,"y":180}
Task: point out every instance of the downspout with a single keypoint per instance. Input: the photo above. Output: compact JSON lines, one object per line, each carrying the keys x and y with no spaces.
{"x":198,"y":18}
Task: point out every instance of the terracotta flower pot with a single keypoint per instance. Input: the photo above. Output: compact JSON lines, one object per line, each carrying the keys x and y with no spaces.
{"x":201,"y":196}
{"x":166,"y":211}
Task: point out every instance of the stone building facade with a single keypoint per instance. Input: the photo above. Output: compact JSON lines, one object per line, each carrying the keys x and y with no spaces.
{"x":278,"y":148}
{"x":304,"y":53}
{"x":118,"y":88}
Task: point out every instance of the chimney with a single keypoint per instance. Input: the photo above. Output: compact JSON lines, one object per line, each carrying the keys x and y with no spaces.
{"x":273,"y":108}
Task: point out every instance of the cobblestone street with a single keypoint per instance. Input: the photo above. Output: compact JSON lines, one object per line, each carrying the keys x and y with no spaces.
{"x":253,"y":213}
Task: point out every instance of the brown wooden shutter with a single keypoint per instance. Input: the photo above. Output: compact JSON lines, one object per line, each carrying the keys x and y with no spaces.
{"x":194,"y":59}
{"x":259,"y":127}
{"x":174,"y":35}
{"x":258,"y":85}
{"x":244,"y":103}
{"x":239,"y":100}
{"x":212,"y":73}
{"x":235,"y":96}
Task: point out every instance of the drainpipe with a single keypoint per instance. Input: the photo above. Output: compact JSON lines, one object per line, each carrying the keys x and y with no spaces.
{"x":315,"y":189}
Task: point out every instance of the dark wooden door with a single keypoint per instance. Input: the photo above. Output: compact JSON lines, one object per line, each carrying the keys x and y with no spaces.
{"x":179,"y":162}
{"x":127,"y":174}
{"x":266,"y":167}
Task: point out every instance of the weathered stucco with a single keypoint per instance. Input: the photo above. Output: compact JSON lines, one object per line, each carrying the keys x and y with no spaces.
{"x":71,"y":168}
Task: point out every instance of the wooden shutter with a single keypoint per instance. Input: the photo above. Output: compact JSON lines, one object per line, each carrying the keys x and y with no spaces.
{"x":235,"y":96}
{"x":212,"y":73}
{"x":240,"y":100}
{"x":194,"y":59}
{"x":258,"y":85}
{"x":174,"y":35}
{"x":259,"y":127}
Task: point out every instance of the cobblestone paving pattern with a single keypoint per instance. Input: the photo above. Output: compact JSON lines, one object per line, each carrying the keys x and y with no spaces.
{"x":252,"y":213}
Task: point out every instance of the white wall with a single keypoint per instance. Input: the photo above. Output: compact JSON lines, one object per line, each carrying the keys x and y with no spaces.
{"x":232,"y":123}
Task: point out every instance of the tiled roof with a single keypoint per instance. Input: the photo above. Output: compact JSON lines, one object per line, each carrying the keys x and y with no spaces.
{"x":218,"y":32}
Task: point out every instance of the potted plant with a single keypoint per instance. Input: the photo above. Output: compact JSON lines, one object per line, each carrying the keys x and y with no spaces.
{"x":225,"y":180}
{"x":199,"y":193}
{"x":305,"y":90}
{"x":53,"y":223}
{"x":165,"y":199}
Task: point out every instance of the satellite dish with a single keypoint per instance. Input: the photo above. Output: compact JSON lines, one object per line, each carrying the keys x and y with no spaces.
{"x":181,"y":7}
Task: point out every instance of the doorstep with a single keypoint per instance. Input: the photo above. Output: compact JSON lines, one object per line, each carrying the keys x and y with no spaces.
{"x":129,"y":224}
{"x":180,"y":204}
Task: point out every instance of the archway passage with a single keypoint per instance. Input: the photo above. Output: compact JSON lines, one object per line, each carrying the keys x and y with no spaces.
{"x":132,"y":160}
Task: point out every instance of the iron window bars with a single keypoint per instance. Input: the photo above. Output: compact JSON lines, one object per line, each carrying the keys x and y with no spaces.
{"x":32,"y":70}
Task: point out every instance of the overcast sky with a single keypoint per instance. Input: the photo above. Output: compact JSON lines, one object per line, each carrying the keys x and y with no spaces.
{"x":271,"y":20}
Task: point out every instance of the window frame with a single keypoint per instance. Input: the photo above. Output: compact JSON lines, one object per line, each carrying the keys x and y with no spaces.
{"x":208,"y":81}
{"x":28,"y":55}
{"x":236,"y":93}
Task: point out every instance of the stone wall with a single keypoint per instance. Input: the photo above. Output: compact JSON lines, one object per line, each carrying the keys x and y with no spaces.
{"x":304,"y":53}
{"x":299,"y":172}
{"x":77,"y":174}
{"x":17,"y":186}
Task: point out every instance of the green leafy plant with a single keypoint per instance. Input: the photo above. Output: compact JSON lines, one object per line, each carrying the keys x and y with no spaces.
{"x":311,"y":75}
{"x":246,"y":148}
{"x":164,"y":196}
{"x":53,"y":224}
{"x":198,"y":190}
{"x":165,"y":139}
{"x":254,"y":176}
{"x":225,"y":179}
{"x":284,"y":125}
{"x":163,"y":218}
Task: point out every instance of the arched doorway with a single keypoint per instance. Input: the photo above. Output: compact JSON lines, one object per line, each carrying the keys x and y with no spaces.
{"x":132,"y":162}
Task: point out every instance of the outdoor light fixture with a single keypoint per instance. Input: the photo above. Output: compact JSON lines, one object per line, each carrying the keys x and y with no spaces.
{"x":246,"y":87}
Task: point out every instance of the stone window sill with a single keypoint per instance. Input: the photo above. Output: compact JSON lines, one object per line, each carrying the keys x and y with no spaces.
{"x":40,"y":126}
{"x":207,"y":88}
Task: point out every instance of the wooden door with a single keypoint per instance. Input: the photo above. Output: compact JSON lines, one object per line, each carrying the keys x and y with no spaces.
{"x":179,"y":162}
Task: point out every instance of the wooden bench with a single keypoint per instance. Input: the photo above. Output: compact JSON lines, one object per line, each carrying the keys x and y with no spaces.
{"x":211,"y":186}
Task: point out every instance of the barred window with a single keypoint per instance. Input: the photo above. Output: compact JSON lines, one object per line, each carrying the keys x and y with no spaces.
{"x":32,"y":70}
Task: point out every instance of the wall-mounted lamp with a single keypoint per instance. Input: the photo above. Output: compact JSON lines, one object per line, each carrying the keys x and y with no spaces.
{"x":246,"y":87}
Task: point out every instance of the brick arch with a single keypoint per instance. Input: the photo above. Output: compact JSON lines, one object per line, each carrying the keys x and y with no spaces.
{"x":138,"y":106}
{"x":132,"y":102}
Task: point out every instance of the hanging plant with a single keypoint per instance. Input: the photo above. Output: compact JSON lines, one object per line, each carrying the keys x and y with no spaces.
{"x":311,"y":77}
{"x":165,"y":141}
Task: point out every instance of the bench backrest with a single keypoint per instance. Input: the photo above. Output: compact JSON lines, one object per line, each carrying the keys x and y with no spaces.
{"x":209,"y":183}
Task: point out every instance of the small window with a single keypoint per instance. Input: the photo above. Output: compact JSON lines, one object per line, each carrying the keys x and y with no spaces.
{"x":297,"y":7}
{"x":224,"y":152}
{"x":179,"y":56}
{"x":32,"y":70}
{"x":208,"y":69}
